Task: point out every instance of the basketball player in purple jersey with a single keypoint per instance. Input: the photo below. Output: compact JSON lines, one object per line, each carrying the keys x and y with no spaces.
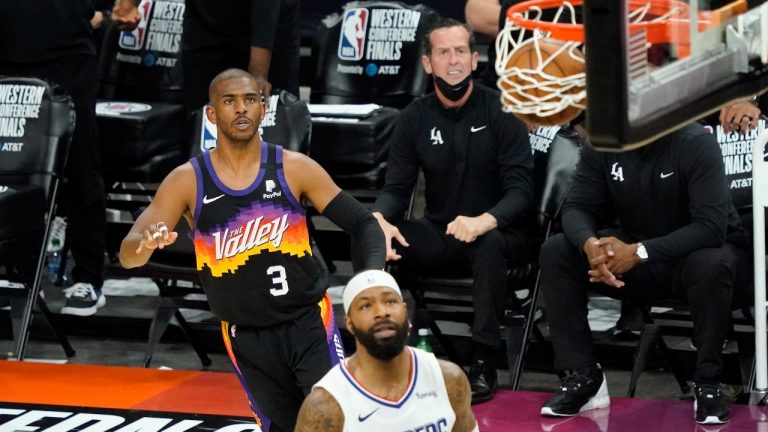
{"x":242,"y":200}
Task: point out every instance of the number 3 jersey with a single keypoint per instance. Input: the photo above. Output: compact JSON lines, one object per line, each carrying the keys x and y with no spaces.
{"x":252,"y":246}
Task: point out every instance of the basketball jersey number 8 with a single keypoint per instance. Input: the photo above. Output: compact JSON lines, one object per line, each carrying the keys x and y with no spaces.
{"x":279,"y":279}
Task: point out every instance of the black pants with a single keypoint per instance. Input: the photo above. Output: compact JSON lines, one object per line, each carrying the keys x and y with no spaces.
{"x":278,"y":365}
{"x":83,"y":200}
{"x":705,"y":279}
{"x":487,"y":258}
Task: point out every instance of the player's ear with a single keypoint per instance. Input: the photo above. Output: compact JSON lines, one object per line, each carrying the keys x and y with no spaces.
{"x":348,"y":322}
{"x":211,"y":113}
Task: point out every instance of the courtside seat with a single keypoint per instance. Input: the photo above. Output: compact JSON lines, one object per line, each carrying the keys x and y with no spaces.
{"x":140,"y":142}
{"x":33,"y":151}
{"x":140,"y":112}
{"x":370,"y":53}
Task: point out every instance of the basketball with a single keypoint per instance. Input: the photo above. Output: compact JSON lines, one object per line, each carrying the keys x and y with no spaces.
{"x":532,"y":83}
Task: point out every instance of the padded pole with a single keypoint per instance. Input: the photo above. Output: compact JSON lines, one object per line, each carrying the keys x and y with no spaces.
{"x":760,"y":201}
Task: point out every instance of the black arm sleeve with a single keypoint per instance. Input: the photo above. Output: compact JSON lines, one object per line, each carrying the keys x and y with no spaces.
{"x":369,"y":248}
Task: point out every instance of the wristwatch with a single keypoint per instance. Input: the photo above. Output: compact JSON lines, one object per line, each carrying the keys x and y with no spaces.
{"x":641,"y":252}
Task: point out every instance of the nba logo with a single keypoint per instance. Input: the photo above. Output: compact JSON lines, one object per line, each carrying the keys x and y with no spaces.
{"x":134,"y":40}
{"x":208,"y":132}
{"x":353,"y":30}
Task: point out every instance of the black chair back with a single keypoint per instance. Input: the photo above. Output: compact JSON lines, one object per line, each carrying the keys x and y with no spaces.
{"x":36,"y":125}
{"x":371,"y":53}
{"x":145,"y":64}
{"x":737,"y":158}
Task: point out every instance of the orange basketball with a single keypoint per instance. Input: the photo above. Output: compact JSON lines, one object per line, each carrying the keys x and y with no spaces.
{"x":562,"y":65}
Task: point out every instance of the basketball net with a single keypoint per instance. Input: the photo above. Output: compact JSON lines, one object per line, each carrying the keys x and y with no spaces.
{"x":531,"y":90}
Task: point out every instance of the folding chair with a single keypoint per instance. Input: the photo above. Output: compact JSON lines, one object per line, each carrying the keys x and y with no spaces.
{"x":556,"y":170}
{"x":34,"y":150}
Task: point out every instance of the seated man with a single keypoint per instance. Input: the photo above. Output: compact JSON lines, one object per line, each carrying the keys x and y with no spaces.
{"x":678,"y":235}
{"x":477,"y":164}
{"x":385,"y":386}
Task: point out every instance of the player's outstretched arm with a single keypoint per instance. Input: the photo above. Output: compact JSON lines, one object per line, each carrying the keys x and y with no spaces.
{"x":320,"y":412}
{"x":308,"y":179}
{"x":152,"y":229}
{"x":460,"y":395}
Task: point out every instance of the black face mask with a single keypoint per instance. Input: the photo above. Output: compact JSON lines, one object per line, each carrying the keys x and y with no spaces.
{"x":456,"y":91}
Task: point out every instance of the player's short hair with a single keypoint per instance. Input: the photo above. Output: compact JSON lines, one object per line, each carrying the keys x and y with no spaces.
{"x":232,"y":74}
{"x":446,"y":22}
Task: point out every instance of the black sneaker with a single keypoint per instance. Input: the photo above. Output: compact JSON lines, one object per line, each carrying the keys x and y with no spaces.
{"x":583,"y":389}
{"x":482,"y":381}
{"x":82,"y":300}
{"x":709,"y":406}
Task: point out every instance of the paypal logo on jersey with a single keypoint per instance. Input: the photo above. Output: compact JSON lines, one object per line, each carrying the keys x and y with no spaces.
{"x":353,"y":29}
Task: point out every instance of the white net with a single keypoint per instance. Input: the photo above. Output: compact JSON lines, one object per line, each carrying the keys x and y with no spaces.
{"x":531,"y":89}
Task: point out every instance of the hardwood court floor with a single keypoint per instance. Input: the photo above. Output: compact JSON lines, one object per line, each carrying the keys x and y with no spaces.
{"x":39,"y":396}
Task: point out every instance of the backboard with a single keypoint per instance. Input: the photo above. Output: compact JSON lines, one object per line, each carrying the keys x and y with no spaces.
{"x":711,"y":52}
{"x":641,"y":68}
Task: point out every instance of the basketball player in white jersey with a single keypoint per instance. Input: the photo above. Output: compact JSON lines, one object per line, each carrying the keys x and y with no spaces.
{"x":386,"y":386}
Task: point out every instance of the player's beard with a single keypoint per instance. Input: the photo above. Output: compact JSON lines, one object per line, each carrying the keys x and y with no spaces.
{"x":385,"y":349}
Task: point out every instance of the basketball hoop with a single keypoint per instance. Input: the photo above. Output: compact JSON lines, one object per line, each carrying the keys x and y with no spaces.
{"x":541,"y":74}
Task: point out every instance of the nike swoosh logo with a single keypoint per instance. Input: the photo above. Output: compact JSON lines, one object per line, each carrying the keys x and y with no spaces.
{"x":476,"y":129}
{"x":208,"y":201}
{"x":364,"y":418}
{"x":662,"y":175}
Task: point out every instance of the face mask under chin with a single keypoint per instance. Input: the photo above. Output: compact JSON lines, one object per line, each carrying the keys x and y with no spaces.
{"x":456,"y":91}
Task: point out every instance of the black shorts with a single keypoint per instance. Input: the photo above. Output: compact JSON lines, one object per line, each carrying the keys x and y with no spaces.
{"x":278,"y":365}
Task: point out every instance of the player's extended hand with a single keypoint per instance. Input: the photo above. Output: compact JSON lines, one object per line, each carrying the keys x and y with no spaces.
{"x":739,"y":116}
{"x":599,"y":254}
{"x":125,"y":15}
{"x":156,"y":236}
{"x":468,"y":229}
{"x":390,"y":232}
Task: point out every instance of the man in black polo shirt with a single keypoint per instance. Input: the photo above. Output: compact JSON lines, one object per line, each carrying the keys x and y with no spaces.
{"x":477,"y":164}
{"x":678,"y":235}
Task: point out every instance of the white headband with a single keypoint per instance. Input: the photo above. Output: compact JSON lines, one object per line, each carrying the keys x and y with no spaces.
{"x":368,"y":279}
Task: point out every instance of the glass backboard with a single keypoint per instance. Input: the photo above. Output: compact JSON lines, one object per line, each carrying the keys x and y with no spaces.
{"x":640,"y":68}
{"x":643,"y":82}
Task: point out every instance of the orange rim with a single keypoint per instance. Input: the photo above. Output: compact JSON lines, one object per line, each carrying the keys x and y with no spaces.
{"x":656,"y":31}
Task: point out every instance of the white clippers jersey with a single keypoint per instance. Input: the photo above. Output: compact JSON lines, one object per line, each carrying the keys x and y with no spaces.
{"x":424,"y":406}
